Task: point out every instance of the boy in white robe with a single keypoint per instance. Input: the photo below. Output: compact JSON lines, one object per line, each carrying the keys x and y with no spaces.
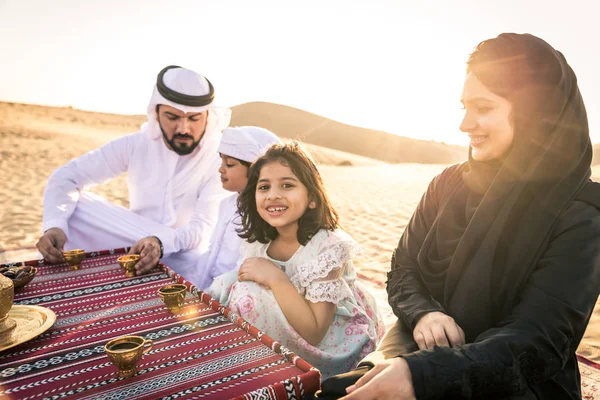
{"x":239,"y":147}
{"x":174,"y":188}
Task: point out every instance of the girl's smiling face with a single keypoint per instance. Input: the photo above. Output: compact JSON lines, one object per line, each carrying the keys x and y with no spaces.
{"x":281,"y":199}
{"x":234,"y":175}
{"x":487,"y":121}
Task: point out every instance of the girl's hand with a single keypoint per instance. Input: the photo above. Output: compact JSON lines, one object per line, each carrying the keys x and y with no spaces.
{"x":389,"y":379}
{"x":260,"y":270}
{"x":436,"y":328}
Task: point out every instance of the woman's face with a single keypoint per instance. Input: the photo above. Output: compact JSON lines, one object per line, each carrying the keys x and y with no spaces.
{"x":487,"y":121}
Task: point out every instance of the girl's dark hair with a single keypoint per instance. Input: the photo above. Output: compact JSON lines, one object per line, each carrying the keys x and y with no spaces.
{"x":323,"y":216}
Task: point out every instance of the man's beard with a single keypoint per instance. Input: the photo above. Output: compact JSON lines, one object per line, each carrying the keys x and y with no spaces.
{"x":181,"y":149}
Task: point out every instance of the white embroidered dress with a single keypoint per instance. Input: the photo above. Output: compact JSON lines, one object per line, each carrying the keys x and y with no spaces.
{"x":320,"y":271}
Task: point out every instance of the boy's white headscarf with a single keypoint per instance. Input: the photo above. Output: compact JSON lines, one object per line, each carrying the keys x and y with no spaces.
{"x":246,"y":143}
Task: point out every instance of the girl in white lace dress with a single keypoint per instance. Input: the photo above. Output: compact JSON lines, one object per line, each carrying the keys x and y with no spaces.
{"x":297,"y":281}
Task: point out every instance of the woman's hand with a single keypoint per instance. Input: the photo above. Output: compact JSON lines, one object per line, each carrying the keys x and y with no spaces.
{"x":389,"y":379}
{"x":436,"y":328}
{"x":260,"y":270}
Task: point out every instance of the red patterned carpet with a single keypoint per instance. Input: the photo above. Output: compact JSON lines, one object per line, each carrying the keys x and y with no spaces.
{"x":590,"y":378}
{"x":201,"y":351}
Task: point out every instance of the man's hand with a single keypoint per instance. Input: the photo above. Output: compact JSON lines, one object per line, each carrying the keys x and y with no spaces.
{"x":389,"y":379}
{"x":260,"y":270}
{"x":51,"y":245}
{"x":436,"y":328}
{"x":149,"y":250}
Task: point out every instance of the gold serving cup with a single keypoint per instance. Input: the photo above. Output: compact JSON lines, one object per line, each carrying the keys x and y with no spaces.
{"x":74,"y":258}
{"x":173,"y":296}
{"x":128,"y":263}
{"x":125,"y":352}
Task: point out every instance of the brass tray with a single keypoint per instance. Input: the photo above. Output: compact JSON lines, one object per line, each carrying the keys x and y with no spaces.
{"x":31,"y":322}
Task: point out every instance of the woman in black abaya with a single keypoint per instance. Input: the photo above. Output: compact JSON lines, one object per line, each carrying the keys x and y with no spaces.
{"x":497,"y":273}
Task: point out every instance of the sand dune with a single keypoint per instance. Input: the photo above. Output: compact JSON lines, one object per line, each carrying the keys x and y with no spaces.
{"x":325,"y":156}
{"x":66,"y":119}
{"x":330,"y":142}
{"x":311,"y":128}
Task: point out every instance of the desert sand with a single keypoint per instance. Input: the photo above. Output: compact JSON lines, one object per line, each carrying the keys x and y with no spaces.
{"x":374,"y":199}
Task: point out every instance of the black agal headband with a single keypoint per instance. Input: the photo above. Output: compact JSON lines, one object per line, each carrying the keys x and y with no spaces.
{"x":180,"y":98}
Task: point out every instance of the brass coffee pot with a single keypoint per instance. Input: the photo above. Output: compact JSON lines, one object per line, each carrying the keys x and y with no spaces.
{"x":7,"y":295}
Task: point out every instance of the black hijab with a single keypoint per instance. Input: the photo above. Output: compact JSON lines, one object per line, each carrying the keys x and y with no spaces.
{"x":490,"y":234}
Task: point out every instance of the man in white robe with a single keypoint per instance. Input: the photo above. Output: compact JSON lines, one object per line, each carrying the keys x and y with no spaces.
{"x":174,"y":186}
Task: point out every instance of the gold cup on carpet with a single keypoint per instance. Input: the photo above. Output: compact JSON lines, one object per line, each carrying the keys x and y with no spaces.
{"x":74,"y":258}
{"x":125,"y":352}
{"x":173,"y":295}
{"x":128,"y":263}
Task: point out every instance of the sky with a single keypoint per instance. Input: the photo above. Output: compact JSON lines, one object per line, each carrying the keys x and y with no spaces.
{"x":396,"y":66}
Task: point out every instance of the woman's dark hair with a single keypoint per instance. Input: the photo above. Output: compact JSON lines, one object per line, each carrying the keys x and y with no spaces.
{"x":323,"y":216}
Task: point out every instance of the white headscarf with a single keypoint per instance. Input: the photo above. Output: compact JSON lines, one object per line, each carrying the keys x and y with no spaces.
{"x":190,"y":83}
{"x":246,"y":143}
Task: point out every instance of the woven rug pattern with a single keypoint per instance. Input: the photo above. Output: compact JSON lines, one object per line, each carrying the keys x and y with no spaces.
{"x":204,"y":351}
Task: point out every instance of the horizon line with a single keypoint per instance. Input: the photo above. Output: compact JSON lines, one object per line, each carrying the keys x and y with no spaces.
{"x":72,"y":107}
